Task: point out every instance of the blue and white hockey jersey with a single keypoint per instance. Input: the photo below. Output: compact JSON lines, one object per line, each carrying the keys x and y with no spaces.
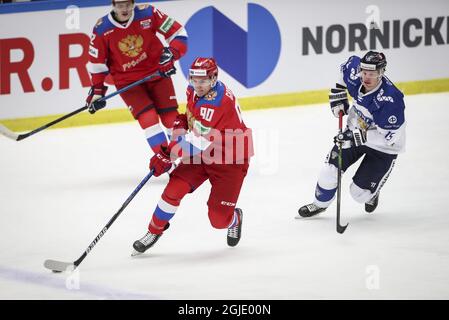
{"x":379,"y":113}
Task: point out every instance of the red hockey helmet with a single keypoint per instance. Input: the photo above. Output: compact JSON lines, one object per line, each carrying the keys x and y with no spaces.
{"x":204,"y":67}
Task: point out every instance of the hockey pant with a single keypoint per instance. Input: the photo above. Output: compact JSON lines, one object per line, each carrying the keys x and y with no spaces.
{"x":226,"y":181}
{"x":150,"y":102}
{"x":369,"y":178}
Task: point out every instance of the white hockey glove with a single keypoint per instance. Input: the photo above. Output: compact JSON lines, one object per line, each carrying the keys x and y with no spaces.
{"x":338,"y":99}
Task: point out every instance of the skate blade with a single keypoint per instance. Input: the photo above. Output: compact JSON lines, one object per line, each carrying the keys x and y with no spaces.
{"x":135,"y":253}
{"x":299,"y":217}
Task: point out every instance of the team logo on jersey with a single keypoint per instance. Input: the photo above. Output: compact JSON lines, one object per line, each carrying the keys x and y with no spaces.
{"x":133,"y":63}
{"x":363,"y":121}
{"x":167,"y":25}
{"x":131,"y":46}
{"x":354,"y":74}
{"x":200,"y":128}
{"x":392,"y":119}
{"x":211,"y":95}
{"x":381,"y":97}
{"x":145,"y":24}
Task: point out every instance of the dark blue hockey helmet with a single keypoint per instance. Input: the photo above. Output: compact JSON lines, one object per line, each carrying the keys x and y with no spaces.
{"x":114,"y":2}
{"x":373,"y":61}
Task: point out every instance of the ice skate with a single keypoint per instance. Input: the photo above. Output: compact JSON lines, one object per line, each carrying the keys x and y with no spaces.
{"x":371,"y":205}
{"x":235,"y":232}
{"x":310,"y":210}
{"x":146,"y":242}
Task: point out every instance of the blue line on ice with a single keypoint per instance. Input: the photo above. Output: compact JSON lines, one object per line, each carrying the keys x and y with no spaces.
{"x":58,"y":281}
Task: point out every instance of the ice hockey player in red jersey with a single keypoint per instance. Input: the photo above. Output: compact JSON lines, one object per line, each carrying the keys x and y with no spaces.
{"x":214,"y":144}
{"x":125,"y":45}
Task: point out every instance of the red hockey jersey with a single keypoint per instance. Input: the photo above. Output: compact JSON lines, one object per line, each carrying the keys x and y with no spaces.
{"x":216,"y":127}
{"x":131,"y":52}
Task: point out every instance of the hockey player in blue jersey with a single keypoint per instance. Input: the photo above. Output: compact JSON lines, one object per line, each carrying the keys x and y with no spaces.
{"x":375,"y":129}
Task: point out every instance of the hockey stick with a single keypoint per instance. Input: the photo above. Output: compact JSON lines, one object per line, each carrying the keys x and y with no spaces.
{"x":340,"y":228}
{"x":18,"y":137}
{"x":60,"y":266}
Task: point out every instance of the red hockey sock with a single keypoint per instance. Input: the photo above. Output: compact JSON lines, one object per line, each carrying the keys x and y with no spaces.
{"x":157,"y":225}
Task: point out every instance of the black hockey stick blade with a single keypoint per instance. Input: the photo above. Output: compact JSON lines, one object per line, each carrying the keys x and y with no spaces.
{"x":59,"y":266}
{"x":341,"y":229}
{"x":18,"y":137}
{"x":8,"y":133}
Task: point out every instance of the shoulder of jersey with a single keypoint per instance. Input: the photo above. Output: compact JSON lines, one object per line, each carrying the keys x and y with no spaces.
{"x":389,"y":100}
{"x":217,"y":95}
{"x":214,"y":98}
{"x":350,"y":71}
{"x":352,"y":62}
{"x":103,"y":25}
{"x":391,"y":89}
{"x":142,"y":11}
{"x":389,"y":94}
{"x":189,"y":91}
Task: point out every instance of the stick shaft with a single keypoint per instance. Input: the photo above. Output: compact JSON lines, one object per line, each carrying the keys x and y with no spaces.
{"x":340,"y":228}
{"x":116,"y":215}
{"x":71,"y":114}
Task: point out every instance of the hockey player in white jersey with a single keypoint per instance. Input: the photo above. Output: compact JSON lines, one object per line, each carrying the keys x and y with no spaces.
{"x":375,"y":129}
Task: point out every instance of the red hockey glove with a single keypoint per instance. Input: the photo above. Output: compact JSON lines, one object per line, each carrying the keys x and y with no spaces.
{"x":161,"y":161}
{"x":96,"y":92}
{"x":181,"y":122}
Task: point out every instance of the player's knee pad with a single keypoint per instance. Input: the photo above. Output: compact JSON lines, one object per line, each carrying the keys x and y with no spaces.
{"x":220,"y":218}
{"x":175,"y":190}
{"x":148,"y":118}
{"x":168,"y":117}
{"x":328,"y":178}
{"x":326,"y":186}
{"x":360,"y":195}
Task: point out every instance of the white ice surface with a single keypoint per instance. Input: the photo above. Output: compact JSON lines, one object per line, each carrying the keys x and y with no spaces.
{"x":60,"y":187}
